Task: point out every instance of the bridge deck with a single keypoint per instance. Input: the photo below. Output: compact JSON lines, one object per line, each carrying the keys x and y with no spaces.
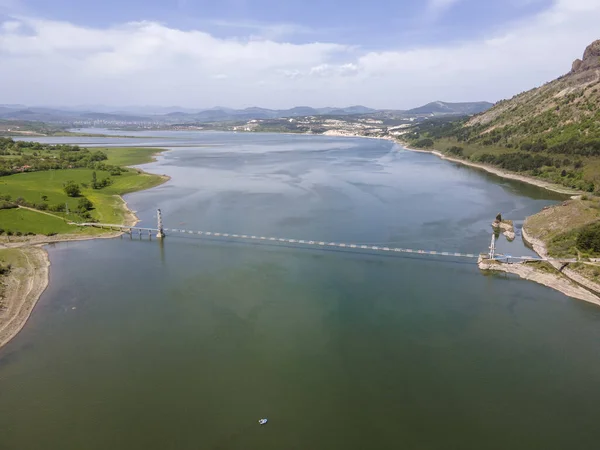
{"x":318,"y":244}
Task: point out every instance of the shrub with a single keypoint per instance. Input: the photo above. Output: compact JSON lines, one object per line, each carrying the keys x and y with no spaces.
{"x":58,"y":208}
{"x":589,"y":238}
{"x":84,"y":204}
{"x":455,"y":150}
{"x":7,"y":205}
{"x":424,"y":143}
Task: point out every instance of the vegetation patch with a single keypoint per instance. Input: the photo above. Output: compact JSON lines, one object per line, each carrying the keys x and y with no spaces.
{"x":560,"y":227}
{"x":543,"y":266}
{"x":66,"y":184}
{"x":588,"y":270}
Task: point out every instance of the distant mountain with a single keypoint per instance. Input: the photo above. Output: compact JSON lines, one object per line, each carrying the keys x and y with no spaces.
{"x":220,"y":114}
{"x":112,"y":117}
{"x":177,"y":115}
{"x":468,"y":108}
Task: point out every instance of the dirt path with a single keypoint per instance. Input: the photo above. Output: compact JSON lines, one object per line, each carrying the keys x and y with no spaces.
{"x":42,"y":212}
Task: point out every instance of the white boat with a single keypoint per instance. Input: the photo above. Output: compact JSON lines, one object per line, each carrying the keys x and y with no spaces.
{"x":262,"y":421}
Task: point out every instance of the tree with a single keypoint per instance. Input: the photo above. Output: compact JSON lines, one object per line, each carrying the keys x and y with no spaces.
{"x":84,"y":204}
{"x":72,"y":189}
{"x":44,"y":198}
{"x":94,"y":180}
{"x":499,"y":217}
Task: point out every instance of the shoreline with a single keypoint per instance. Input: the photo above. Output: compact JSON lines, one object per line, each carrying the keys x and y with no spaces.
{"x":23,"y":289}
{"x":500,"y":172}
{"x":559,"y":282}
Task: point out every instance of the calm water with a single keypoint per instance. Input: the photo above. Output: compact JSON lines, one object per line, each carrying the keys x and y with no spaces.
{"x":137,"y":345}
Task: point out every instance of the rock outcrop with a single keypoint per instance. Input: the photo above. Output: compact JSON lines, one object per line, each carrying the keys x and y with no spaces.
{"x":507,"y":228}
{"x":586,"y":69}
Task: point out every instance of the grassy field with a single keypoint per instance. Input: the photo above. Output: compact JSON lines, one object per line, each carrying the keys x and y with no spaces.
{"x":27,"y":221}
{"x":108,"y":206}
{"x":124,"y":156}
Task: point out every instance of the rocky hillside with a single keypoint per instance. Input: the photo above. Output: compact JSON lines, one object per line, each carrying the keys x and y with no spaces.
{"x":572,"y":102}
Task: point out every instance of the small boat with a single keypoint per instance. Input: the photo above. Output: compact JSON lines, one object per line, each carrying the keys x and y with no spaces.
{"x":262,"y":421}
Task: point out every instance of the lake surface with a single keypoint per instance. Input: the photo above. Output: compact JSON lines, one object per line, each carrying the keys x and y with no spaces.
{"x":186,"y":344}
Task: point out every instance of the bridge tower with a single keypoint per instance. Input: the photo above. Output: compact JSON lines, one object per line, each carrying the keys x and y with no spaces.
{"x":493,"y":246}
{"x":160,"y":234}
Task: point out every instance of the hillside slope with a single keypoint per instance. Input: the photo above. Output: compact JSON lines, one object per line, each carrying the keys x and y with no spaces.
{"x":551,"y":132}
{"x":569,"y":100}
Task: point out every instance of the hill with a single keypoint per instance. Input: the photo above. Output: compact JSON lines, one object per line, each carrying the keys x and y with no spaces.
{"x":551,"y":132}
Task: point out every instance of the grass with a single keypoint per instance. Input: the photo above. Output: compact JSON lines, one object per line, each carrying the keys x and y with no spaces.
{"x":129,"y":156}
{"x":27,"y":221}
{"x":108,"y":206}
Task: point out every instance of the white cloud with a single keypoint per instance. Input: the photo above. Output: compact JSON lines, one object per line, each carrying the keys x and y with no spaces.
{"x":49,"y":62}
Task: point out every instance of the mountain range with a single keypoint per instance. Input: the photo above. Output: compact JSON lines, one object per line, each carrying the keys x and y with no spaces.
{"x":176,"y":114}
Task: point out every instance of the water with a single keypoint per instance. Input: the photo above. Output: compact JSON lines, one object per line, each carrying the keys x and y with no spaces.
{"x":185,"y":345}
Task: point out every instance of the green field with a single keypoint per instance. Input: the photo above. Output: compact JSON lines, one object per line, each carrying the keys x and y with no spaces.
{"x":34,"y":187}
{"x":125,"y":156}
{"x":27,"y":221}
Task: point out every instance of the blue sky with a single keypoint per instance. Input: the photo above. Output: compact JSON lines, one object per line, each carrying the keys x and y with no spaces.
{"x":364,"y":23}
{"x":198,"y":53}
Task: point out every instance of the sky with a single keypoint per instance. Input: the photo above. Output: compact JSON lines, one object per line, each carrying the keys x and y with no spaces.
{"x":394,"y":54}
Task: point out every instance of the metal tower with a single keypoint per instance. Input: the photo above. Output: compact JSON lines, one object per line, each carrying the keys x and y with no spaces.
{"x":493,"y":246}
{"x":160,"y":234}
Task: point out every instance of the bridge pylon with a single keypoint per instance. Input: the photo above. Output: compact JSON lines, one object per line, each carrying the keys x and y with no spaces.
{"x":492,"y":247}
{"x":160,"y":234}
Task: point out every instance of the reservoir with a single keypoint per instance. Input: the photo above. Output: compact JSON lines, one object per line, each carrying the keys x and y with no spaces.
{"x":186,"y":344}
